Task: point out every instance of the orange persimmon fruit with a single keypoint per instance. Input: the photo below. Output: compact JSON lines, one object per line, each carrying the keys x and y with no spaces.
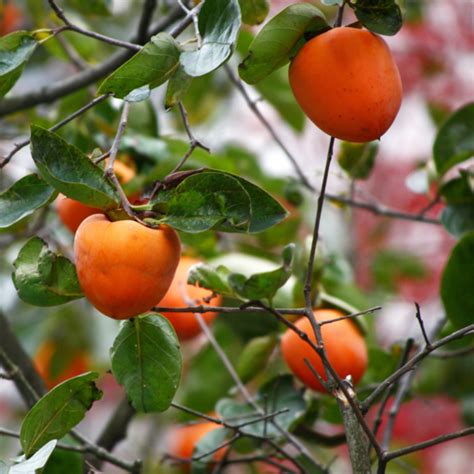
{"x":185,"y":324}
{"x":183,"y":439}
{"x":345,"y":347}
{"x":347,"y":82}
{"x":55,"y":368}
{"x":124,"y":268}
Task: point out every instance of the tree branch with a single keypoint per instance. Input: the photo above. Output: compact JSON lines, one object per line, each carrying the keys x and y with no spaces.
{"x":48,"y":94}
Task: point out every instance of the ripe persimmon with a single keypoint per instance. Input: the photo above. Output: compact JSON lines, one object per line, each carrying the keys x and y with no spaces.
{"x":347,"y":82}
{"x":345,"y":347}
{"x":183,"y":439}
{"x":185,"y":324}
{"x":124,"y":268}
{"x":55,"y":368}
{"x":72,"y":212}
{"x":10,"y":17}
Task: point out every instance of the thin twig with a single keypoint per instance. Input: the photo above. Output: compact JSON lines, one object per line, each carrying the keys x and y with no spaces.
{"x":388,"y":392}
{"x":109,"y":171}
{"x":351,"y":316}
{"x":50,"y":93}
{"x":422,"y":326}
{"x":427,"y":444}
{"x":455,"y":353}
{"x":459,"y":334}
{"x":106,"y":39}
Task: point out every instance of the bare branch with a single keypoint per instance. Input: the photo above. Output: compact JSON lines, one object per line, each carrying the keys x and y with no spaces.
{"x":92,"y":34}
{"x":145,"y":19}
{"x":427,"y":444}
{"x":422,"y":326}
{"x":50,"y":93}
{"x":459,"y":334}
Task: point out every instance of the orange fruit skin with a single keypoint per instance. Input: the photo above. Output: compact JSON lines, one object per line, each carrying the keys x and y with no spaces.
{"x":346,"y":81}
{"x":72,"y":212}
{"x":123,"y":267}
{"x":183,"y":439}
{"x":345,"y":348}
{"x":185,"y":324}
{"x":78,"y":364}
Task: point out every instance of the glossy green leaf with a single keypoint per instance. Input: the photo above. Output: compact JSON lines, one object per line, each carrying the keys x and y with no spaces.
{"x":458,"y":219}
{"x":15,"y":50}
{"x":263,"y":285}
{"x":254,"y":12}
{"x":277,"y":41}
{"x":219,"y":23}
{"x":207,"y":444}
{"x":357,"y":159}
{"x":456,"y":283}
{"x":62,"y":461}
{"x":459,"y":190}
{"x":177,"y":87}
{"x":455,"y":140}
{"x":146,"y":360}
{"x":70,"y":171}
{"x":214,"y":279}
{"x":332,"y":2}
{"x":23,"y":198}
{"x":254,"y":357}
{"x":379,"y":16}
{"x":60,"y":410}
{"x":43,"y":278}
{"x":152,"y":66}
{"x":219,"y":201}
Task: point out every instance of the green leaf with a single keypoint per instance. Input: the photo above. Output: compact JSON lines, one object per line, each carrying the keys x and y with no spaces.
{"x":219,"y":23}
{"x":55,"y":414}
{"x":279,"y":394}
{"x":43,"y":278}
{"x":455,"y":140}
{"x":92,"y":7}
{"x":146,"y":360}
{"x":207,"y":444}
{"x":456,"y":282}
{"x":219,"y":201}
{"x":254,"y":12}
{"x":263,"y":285}
{"x":153,"y":65}
{"x":177,"y":87}
{"x":69,"y":171}
{"x":309,"y":465}
{"x":23,"y":198}
{"x":332,"y":2}
{"x":62,"y":461}
{"x":276,"y":42}
{"x":15,"y":50}
{"x":458,"y":219}
{"x":254,"y":357}
{"x":379,"y":16}
{"x":459,"y":190}
{"x":138,"y":95}
{"x":211,"y":278}
{"x":357,"y":158}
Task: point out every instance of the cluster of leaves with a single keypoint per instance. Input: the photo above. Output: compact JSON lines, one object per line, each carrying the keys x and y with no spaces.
{"x":145,"y":356}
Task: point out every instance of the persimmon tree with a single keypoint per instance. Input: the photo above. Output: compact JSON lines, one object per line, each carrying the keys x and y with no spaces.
{"x":271,"y":290}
